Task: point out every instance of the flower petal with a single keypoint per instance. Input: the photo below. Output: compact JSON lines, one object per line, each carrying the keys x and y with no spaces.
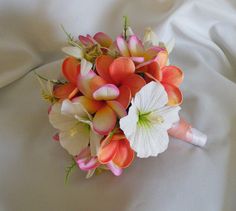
{"x":95,"y":141}
{"x":76,"y":139}
{"x":89,"y":164}
{"x":103,"y":63}
{"x":106,"y":92}
{"x":134,"y":82}
{"x":85,"y":67}
{"x":149,"y":142}
{"x":174,"y":95}
{"x":107,"y":152}
{"x":128,"y":123}
{"x":117,"y":107}
{"x":71,"y":69}
{"x":103,"y":39}
{"x":122,"y":46}
{"x":92,"y":106}
{"x":125,"y":96}
{"x":170,"y":45}
{"x":64,"y":91}
{"x":96,"y":82}
{"x":86,"y":41}
{"x":135,"y":46}
{"x":71,"y":109}
{"x":124,"y":155}
{"x":121,"y":68}
{"x":152,"y":52}
{"x":59,"y":121}
{"x":162,"y":58}
{"x":151,"y":97}
{"x":150,"y":37}
{"x":73,"y":51}
{"x":138,"y":59}
{"x":129,"y":31}
{"x":155,"y":71}
{"x":87,"y":84}
{"x":83,"y":155}
{"x":114,"y":168}
{"x":104,"y":120}
{"x":170,"y":114}
{"x":172,"y":75}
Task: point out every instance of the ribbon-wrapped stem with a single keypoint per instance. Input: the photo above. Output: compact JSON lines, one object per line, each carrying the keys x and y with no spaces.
{"x":184,"y":131}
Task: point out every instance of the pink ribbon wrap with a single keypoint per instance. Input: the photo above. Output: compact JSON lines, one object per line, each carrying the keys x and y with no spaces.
{"x":184,"y":131}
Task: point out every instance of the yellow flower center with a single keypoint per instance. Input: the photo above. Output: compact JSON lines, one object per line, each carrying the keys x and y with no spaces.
{"x":148,"y":119}
{"x":91,"y":53}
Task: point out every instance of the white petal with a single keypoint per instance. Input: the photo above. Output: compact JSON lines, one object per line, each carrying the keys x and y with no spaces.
{"x":73,"y":51}
{"x":129,"y":123}
{"x":60,"y":121}
{"x":170,"y":45}
{"x":151,"y":97}
{"x":69,"y":108}
{"x":76,"y":139}
{"x":170,"y":114}
{"x":129,"y":31}
{"x":150,"y":37}
{"x":149,"y":141}
{"x":95,"y":140}
{"x":86,"y":66}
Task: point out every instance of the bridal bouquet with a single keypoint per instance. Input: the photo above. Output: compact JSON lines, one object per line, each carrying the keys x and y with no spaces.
{"x":118,"y":99}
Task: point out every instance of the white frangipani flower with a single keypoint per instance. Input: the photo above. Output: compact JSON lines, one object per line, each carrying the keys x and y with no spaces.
{"x":151,"y":39}
{"x":148,"y":120}
{"x":74,"y":125}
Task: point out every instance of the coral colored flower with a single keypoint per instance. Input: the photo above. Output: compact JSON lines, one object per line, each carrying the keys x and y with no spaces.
{"x":152,"y":62}
{"x":135,"y":49}
{"x":96,"y":45}
{"x":120,"y":72}
{"x":89,"y":163}
{"x":116,"y":148}
{"x":169,"y":76}
{"x":97,"y":91}
{"x":113,"y":87}
{"x":70,"y":70}
{"x":148,"y":120}
{"x":74,"y":124}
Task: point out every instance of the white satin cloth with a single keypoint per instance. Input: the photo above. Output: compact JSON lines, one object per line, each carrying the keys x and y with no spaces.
{"x":185,"y":177}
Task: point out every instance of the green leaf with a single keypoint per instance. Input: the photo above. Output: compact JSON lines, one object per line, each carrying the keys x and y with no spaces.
{"x":69,"y":169}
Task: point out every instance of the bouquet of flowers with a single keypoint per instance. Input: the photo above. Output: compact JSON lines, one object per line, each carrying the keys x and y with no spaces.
{"x":119,"y":98}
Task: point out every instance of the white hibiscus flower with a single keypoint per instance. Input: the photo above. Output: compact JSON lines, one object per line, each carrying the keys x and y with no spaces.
{"x":148,"y":120}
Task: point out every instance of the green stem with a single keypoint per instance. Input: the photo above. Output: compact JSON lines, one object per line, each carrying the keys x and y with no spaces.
{"x":45,"y":79}
{"x":71,"y":40}
{"x":125,"y":19}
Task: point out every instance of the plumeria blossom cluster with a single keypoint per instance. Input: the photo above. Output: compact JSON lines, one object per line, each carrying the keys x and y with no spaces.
{"x":119,"y":98}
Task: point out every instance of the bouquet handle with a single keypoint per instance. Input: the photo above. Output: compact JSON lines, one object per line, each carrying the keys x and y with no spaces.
{"x":184,"y":131}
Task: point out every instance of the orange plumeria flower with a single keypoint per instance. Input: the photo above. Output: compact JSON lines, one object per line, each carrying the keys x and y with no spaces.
{"x":70,"y":70}
{"x":121,"y":72}
{"x":152,"y":62}
{"x":117,"y":149}
{"x":170,"y":77}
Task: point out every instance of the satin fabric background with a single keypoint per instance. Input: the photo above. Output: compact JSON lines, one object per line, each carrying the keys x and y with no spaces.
{"x":32,"y":167}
